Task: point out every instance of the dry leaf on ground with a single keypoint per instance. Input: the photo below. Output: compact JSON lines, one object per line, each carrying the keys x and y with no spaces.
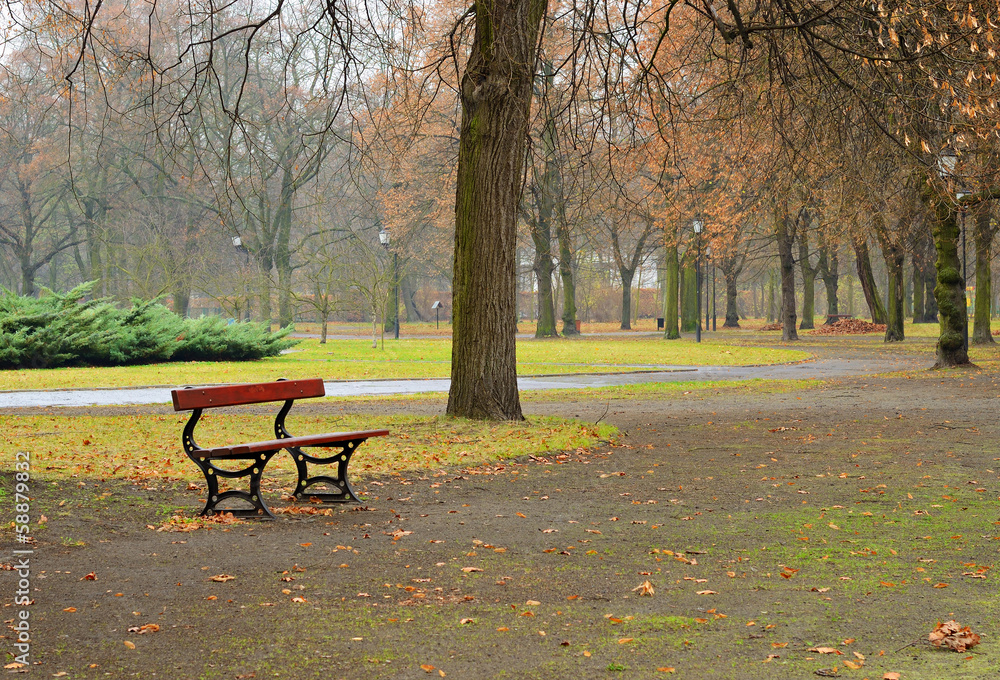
{"x":645,"y":588}
{"x":952,"y":635}
{"x":148,"y":628}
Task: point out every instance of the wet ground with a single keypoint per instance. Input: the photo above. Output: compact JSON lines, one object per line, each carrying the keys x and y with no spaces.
{"x":849,"y":517}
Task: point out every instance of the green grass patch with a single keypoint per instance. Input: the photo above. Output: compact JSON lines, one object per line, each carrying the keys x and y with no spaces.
{"x":418,"y":358}
{"x":143,"y":447}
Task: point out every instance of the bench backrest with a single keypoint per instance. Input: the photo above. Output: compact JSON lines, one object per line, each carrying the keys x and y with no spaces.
{"x":255,"y":393}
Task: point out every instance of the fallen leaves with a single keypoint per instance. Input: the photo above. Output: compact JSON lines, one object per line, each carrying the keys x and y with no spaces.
{"x":221,"y":578}
{"x":147,"y":628}
{"x":129,"y":644}
{"x":469,"y":570}
{"x":706,"y":592}
{"x":952,"y":635}
{"x":645,"y":589}
{"x":826,"y":650}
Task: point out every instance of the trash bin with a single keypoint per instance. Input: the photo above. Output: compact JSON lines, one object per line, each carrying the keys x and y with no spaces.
{"x":577,"y":325}
{"x":659,"y":323}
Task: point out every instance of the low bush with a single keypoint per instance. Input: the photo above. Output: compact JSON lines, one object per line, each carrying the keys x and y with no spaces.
{"x":67,"y":330}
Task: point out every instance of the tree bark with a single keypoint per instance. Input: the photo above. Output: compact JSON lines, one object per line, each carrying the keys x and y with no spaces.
{"x":894,"y":256}
{"x":495,"y":96}
{"x":918,"y":285}
{"x":541,"y":235}
{"x":784,"y":229}
{"x":670,"y":329}
{"x":808,"y":280}
{"x":950,"y":289}
{"x":984,"y":234}
{"x":930,"y":277}
{"x":626,"y":320}
{"x":771,"y":313}
{"x":867,"y":280}
{"x":732,"y":267}
{"x":566,"y":274}
{"x":543,"y":189}
{"x":828,"y":266}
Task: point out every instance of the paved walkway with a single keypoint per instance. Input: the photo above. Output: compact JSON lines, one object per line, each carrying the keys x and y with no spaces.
{"x":823,"y":367}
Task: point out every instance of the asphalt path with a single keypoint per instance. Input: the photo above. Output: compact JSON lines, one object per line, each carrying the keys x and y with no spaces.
{"x":817,"y":368}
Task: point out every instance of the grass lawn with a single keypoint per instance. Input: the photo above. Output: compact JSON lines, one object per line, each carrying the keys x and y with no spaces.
{"x":412,"y":358}
{"x":64,"y":446}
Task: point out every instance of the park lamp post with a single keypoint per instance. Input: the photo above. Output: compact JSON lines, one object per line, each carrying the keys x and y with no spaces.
{"x":947,"y":162}
{"x":709,"y":307}
{"x":385,"y":240}
{"x":242,"y":249}
{"x":698,"y":226}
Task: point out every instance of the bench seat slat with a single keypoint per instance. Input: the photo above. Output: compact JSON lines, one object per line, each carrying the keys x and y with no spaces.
{"x":237,"y":395}
{"x":273,"y":444}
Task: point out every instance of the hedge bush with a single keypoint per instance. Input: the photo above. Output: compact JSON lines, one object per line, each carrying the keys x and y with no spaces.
{"x":66,"y":330}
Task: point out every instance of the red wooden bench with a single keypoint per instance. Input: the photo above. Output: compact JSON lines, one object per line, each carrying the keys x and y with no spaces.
{"x":197,"y":399}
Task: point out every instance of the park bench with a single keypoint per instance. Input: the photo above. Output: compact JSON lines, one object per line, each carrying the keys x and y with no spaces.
{"x":834,"y":318}
{"x":197,"y":399}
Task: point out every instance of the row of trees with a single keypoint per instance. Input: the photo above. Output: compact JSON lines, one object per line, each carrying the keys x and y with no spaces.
{"x":139,"y":145}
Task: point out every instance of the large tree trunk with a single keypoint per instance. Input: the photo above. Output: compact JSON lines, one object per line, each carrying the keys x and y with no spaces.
{"x":282,"y":250}
{"x":541,"y":235}
{"x":894,"y":256}
{"x":984,"y":233}
{"x":391,"y":316}
{"x":543,"y":189}
{"x":784,"y":229}
{"x":808,"y":281}
{"x":930,"y":276}
{"x":771,"y":309}
{"x":670,"y":329}
{"x":408,"y":291}
{"x":894,"y":259}
{"x":828,"y":266}
{"x":732,"y":315}
{"x":627,"y":276}
{"x":918,"y":286}
{"x":496,"y":98}
{"x":950,"y":289}
{"x":566,"y":269}
{"x":867,"y":280}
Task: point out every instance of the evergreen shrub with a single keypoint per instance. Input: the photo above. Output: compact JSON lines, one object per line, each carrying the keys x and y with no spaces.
{"x":66,"y":330}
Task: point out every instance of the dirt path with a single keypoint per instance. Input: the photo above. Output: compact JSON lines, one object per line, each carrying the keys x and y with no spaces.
{"x":853,"y":516}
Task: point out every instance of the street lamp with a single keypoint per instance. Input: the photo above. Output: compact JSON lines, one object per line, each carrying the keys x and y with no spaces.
{"x":240,"y":248}
{"x":698,"y":226}
{"x":709,"y":311}
{"x":385,"y":240}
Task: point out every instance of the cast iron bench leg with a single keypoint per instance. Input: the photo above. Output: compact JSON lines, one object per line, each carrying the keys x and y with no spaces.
{"x":255,"y":498}
{"x":345,"y":494}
